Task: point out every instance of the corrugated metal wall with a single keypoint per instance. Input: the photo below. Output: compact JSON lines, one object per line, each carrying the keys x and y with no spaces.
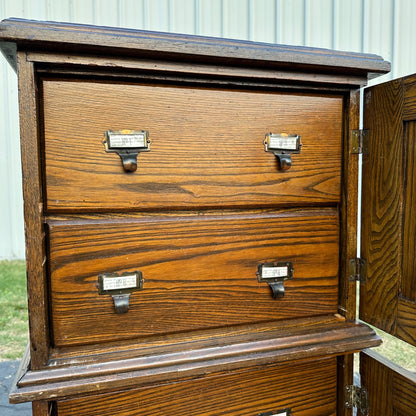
{"x":383,"y":27}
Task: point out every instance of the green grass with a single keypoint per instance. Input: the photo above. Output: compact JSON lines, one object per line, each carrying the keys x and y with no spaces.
{"x":13,"y":310}
{"x":397,"y":351}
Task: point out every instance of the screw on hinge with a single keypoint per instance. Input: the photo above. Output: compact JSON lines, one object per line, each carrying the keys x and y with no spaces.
{"x":357,"y":397}
{"x":357,"y":270}
{"x":359,"y":141}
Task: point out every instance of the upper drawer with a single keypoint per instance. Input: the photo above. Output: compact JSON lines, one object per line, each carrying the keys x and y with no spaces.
{"x":206,"y":147}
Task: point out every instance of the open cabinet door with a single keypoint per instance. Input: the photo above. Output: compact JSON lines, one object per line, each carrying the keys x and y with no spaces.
{"x":388,"y":296}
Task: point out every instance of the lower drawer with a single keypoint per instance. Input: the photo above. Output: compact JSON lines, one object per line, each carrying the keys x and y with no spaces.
{"x":302,"y":389}
{"x":199,"y":271}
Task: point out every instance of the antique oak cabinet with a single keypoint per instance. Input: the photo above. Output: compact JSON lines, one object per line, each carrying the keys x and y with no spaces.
{"x":191,"y":218}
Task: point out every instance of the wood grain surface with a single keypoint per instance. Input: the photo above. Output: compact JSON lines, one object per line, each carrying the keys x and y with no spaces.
{"x":408,"y":286}
{"x":206,"y":206}
{"x":199,"y":271}
{"x":219,"y":351}
{"x":33,"y":214}
{"x":388,"y":298}
{"x":348,"y":242}
{"x":207,"y":147}
{"x":194,"y":354}
{"x":391,"y":389}
{"x":308,"y":389}
{"x":262,"y":77}
{"x":382,"y":201}
{"x":138,"y":43}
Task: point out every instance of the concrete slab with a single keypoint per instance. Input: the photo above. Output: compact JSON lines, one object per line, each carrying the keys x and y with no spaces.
{"x":7,"y":371}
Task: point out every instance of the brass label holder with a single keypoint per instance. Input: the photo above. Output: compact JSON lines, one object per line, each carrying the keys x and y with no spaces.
{"x":282,"y":145}
{"x":127,"y":144}
{"x":285,"y":412}
{"x":274,"y":274}
{"x":120,"y":286}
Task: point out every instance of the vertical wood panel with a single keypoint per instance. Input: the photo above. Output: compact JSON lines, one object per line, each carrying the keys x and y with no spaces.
{"x":391,"y":389}
{"x":382,"y":205}
{"x":409,"y":229}
{"x":35,"y":247}
{"x":377,"y":379}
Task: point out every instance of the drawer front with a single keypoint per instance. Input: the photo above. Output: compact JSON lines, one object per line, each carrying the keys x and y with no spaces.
{"x":307,"y":389}
{"x":206,"y":147}
{"x":199,"y":271}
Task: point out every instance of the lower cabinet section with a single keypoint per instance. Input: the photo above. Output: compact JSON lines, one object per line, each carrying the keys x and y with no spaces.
{"x":305,"y":388}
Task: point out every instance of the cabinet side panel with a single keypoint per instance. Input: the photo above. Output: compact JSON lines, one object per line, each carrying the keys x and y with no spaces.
{"x":33,"y":210}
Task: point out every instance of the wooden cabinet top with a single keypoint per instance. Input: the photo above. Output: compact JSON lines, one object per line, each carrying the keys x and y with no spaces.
{"x":65,"y":37}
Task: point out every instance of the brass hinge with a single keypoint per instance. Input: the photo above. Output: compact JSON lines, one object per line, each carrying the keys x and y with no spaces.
{"x":357,"y":270}
{"x":359,"y":142}
{"x":357,"y":397}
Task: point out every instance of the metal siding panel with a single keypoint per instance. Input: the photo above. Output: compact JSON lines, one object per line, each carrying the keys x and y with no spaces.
{"x":404,"y":56}
{"x":35,"y":9}
{"x":158,"y":15}
{"x":319,"y":23}
{"x":11,"y":200}
{"x":5,"y":182}
{"x":58,"y":11}
{"x":182,"y":16}
{"x":14,"y":166}
{"x":263,"y":21}
{"x":378,"y":31}
{"x":348,"y":17}
{"x":106,"y":12}
{"x":236,"y":19}
{"x":210,"y":18}
{"x":83,"y":11}
{"x":132,"y":14}
{"x":14,"y":8}
{"x":291,"y":22}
